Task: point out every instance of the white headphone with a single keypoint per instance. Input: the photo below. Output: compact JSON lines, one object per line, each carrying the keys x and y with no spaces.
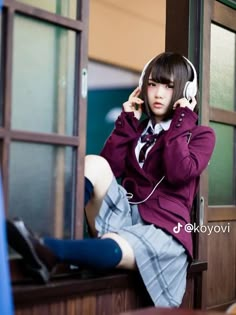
{"x":190,"y":88}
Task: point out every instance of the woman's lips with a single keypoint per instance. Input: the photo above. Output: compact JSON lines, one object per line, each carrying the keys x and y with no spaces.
{"x":157,"y":105}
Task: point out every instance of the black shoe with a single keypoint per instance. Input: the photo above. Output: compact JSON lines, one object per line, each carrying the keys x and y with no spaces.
{"x":39,"y":259}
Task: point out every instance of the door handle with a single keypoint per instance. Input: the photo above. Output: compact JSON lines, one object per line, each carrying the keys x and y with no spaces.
{"x":202,"y":209}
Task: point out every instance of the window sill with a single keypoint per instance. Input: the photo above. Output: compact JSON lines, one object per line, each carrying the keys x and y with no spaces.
{"x":85,"y":282}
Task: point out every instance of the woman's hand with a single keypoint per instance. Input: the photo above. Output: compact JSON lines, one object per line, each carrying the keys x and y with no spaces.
{"x":134,"y":103}
{"x":183,"y":102}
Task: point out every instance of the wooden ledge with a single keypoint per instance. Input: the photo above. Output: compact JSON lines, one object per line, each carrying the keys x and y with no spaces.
{"x":75,"y":284}
{"x":169,"y":311}
{"x":85,"y":282}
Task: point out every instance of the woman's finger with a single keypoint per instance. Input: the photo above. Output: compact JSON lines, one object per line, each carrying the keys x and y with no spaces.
{"x":135,"y":100}
{"x":183,"y":102}
{"x":194,"y":101}
{"x":135,"y":93}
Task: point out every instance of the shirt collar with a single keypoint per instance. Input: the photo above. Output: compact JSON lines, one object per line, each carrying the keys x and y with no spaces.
{"x":165,"y":125}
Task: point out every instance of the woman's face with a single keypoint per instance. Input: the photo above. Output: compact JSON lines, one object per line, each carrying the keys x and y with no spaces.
{"x":159,"y":98}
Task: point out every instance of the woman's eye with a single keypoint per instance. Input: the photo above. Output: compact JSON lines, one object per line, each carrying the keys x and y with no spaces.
{"x":151,"y":84}
{"x":170,"y":86}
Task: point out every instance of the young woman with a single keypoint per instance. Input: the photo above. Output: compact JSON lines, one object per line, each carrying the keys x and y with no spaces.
{"x":140,"y":224}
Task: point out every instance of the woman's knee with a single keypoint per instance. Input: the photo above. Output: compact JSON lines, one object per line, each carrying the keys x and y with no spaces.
{"x":93,"y":158}
{"x":99,"y":172}
{"x":96,"y":163}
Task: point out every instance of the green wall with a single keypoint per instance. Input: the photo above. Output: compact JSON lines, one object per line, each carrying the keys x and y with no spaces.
{"x":100,"y":102}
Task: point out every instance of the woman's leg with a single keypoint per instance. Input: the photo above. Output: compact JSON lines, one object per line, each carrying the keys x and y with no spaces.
{"x":111,"y":251}
{"x":98,"y":171}
{"x":128,"y":259}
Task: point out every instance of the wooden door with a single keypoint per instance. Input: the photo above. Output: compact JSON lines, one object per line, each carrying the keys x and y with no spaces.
{"x":218,"y":185}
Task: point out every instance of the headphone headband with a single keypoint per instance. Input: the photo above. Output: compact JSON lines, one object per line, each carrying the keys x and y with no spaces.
{"x":140,"y":83}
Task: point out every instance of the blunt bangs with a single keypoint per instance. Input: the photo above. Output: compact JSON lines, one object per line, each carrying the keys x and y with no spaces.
{"x":161,"y":73}
{"x":170,"y":67}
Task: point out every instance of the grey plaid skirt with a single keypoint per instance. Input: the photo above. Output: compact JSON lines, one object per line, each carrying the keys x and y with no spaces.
{"x":161,"y":260}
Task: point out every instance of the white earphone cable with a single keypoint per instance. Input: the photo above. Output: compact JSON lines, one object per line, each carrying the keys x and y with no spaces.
{"x":130,"y":195}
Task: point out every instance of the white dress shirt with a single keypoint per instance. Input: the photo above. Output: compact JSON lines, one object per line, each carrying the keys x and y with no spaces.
{"x":164,"y":125}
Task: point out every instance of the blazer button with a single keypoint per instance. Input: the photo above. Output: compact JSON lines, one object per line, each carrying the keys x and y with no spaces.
{"x":178,"y":125}
{"x":180,"y":119}
{"x":182,"y":114}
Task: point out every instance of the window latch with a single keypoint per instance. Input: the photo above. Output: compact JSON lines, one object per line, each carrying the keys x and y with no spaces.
{"x":84,"y":84}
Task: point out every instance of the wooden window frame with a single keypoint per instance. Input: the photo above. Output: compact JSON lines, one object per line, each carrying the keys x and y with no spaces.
{"x":78,"y":140}
{"x":223,"y":17}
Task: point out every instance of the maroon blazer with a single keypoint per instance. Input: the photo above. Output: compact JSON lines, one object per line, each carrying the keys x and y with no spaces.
{"x":180,"y":154}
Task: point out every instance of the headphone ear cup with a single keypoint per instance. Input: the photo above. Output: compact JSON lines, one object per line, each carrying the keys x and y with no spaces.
{"x":185,"y":92}
{"x":190,"y":90}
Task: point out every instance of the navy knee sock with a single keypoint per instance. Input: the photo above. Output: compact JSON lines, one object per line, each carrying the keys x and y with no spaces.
{"x":88,"y":190}
{"x":96,"y":253}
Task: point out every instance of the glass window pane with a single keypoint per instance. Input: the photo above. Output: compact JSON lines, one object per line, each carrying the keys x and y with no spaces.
{"x":65,"y":8}
{"x":40,"y":187}
{"x":43,"y":77}
{"x":222,"y":68}
{"x":221,"y":176}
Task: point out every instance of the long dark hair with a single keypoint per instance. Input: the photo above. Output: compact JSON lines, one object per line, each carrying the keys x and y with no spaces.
{"x":166,"y":68}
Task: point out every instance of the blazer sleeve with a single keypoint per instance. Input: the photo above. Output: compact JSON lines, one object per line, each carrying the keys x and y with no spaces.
{"x":117,"y":145}
{"x":188,"y":148}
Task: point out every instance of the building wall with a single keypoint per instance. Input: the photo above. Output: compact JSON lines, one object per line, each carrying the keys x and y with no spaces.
{"x":126,"y":33}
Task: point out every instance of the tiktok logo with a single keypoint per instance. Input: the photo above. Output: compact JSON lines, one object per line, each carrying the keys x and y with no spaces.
{"x":176,"y":229}
{"x":189,"y":228}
